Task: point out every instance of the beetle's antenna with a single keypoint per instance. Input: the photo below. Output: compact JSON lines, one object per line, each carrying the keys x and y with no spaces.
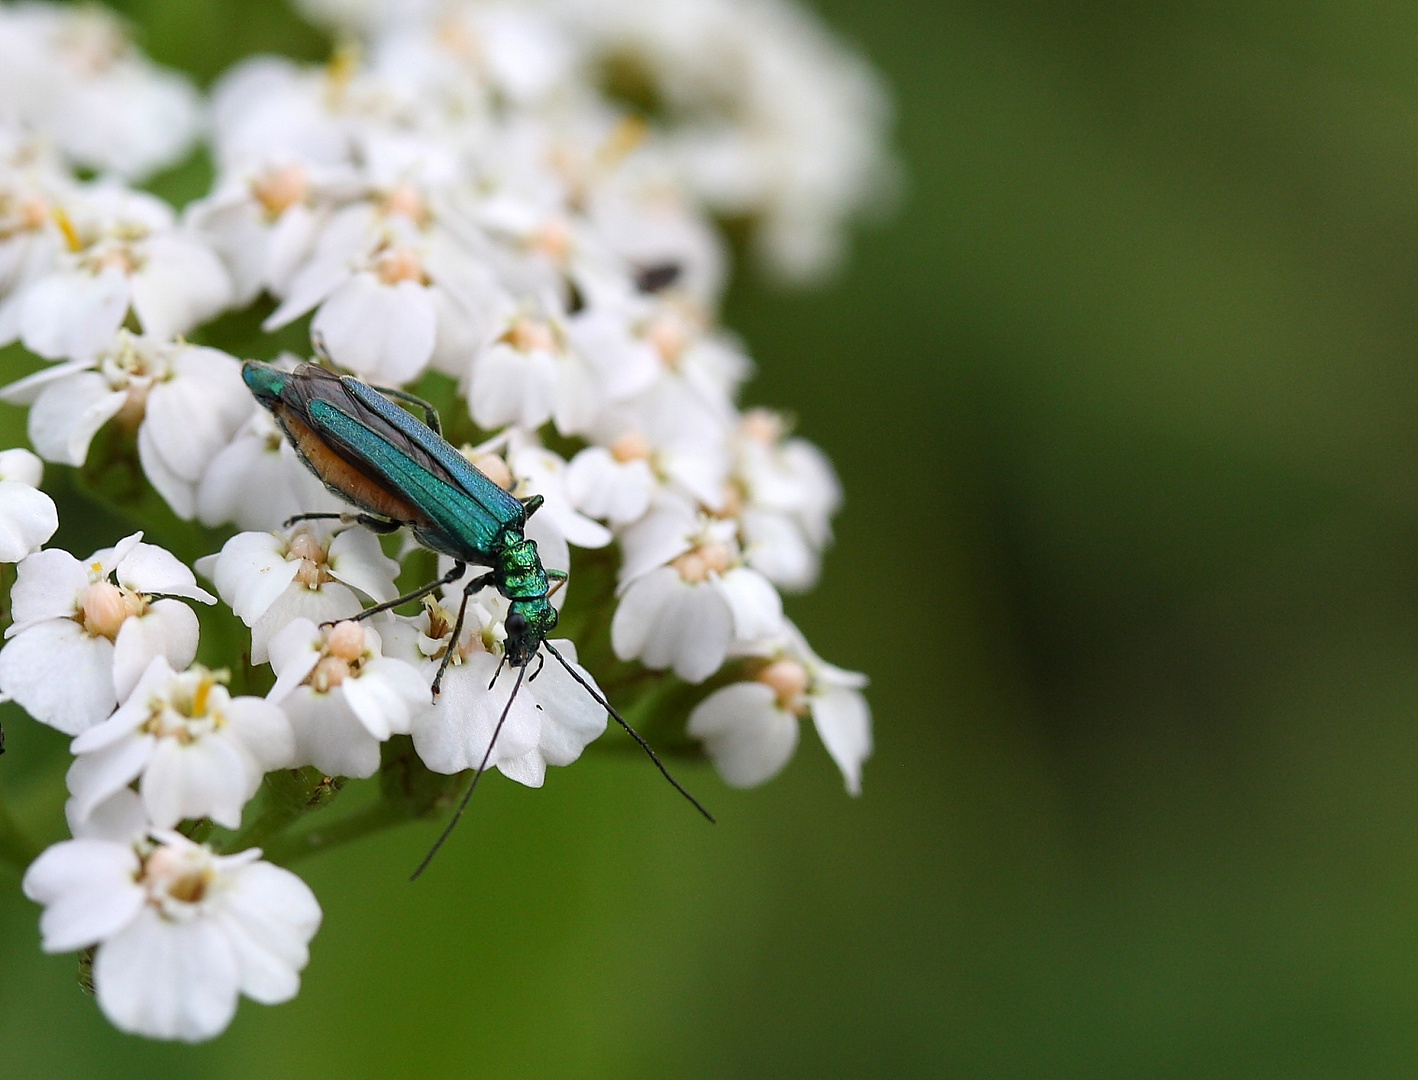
{"x":482,"y":768}
{"x":603,"y":703}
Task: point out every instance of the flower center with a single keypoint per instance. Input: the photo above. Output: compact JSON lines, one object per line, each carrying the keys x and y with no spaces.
{"x":33,"y":214}
{"x":553,"y":240}
{"x":191,"y":706}
{"x":106,"y":607}
{"x":329,"y":673}
{"x":112,"y":253}
{"x":711,"y":558}
{"x":531,"y":335}
{"x":281,"y":188}
{"x":91,"y":44}
{"x":788,"y":680}
{"x":346,"y":640}
{"x":178,"y":879}
{"x":313,"y":570}
{"x":345,"y":650}
{"x":396,"y":264}
{"x":406,"y":201}
{"x":762,"y":426}
{"x":667,"y":336}
{"x":632,"y":446}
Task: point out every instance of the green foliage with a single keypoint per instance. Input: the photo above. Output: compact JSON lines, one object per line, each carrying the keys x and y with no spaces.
{"x":1128,"y":387}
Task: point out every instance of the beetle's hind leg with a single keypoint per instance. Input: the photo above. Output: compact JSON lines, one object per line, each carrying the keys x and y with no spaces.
{"x":430,"y":413}
{"x":380,"y":526}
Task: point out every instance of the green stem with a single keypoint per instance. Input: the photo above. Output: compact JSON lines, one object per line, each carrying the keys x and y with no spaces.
{"x":15,"y":847}
{"x":375,"y":817}
{"x":289,"y":794}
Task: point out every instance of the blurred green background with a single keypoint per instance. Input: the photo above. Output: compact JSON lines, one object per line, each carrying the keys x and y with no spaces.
{"x":1128,"y":390}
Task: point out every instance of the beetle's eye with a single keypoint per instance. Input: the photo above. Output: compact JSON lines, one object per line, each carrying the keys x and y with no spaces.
{"x":516,"y":624}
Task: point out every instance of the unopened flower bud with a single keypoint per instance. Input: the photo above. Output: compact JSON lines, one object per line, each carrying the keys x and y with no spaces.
{"x":496,"y":469}
{"x":329,"y":673}
{"x":105,"y":609}
{"x":789,"y":681}
{"x":346,"y":640}
{"x":398,"y":264}
{"x":282,"y":188}
{"x":632,"y":446}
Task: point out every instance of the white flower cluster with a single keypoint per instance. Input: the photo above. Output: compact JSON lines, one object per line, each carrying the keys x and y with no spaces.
{"x":763,"y":115}
{"x":462,"y":198}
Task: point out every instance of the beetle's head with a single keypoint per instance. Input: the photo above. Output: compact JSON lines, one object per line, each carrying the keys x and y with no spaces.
{"x":265,"y":381}
{"x":528,"y":623}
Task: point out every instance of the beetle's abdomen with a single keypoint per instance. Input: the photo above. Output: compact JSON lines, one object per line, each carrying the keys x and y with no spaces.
{"x":339,"y":475}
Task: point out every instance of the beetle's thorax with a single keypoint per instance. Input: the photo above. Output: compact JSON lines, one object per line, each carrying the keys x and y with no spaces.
{"x":520,"y":575}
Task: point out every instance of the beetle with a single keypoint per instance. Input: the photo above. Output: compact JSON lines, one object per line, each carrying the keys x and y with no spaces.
{"x":401,"y":473}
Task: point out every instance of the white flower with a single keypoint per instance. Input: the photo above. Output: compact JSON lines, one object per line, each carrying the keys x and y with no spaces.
{"x":529,"y":371}
{"x":631,"y":340}
{"x":686,"y":615}
{"x":389,"y":285}
{"x":263,"y":221}
{"x":124,"y":251}
{"x":32,"y":183}
{"x":28,"y":517}
{"x":526,"y":467}
{"x":343,"y":696}
{"x":680,"y":434}
{"x":196,"y":750}
{"x":789,"y":493}
{"x":550,"y":722}
{"x":269,"y":579}
{"x":186,"y":401}
{"x":772,"y":118}
{"x":180,"y":932}
{"x":616,"y":482}
{"x":750,"y":729}
{"x":72,"y":74}
{"x":84,"y":632}
{"x":256,"y":482}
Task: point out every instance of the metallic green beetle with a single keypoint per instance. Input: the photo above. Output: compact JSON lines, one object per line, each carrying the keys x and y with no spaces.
{"x":402,"y":474}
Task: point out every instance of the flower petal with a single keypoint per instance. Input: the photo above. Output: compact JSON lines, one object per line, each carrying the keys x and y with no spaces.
{"x":748,"y":737}
{"x":379,"y":331}
{"x":251,"y":572}
{"x":48,"y":585}
{"x":177,"y":492}
{"x":271,"y":915}
{"x":181,"y":284}
{"x":167,"y":629}
{"x":209,"y":777}
{"x":843,"y":722}
{"x":669,"y":623}
{"x":28,"y":518}
{"x":356,"y":558}
{"x":67,"y":415}
{"x":454,"y":734}
{"x":151,"y":569}
{"x":168,"y":979}
{"x":73,"y":314}
{"x":329,"y":736}
{"x":96,"y":776}
{"x":88,"y":891}
{"x":60,"y":675}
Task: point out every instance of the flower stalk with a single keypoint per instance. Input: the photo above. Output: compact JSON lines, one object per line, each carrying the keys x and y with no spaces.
{"x":16,"y":849}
